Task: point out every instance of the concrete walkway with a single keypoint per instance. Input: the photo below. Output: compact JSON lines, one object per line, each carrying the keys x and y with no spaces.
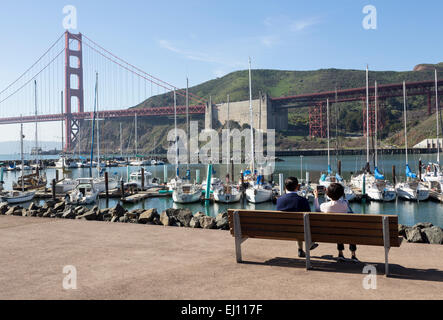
{"x":128,"y":261}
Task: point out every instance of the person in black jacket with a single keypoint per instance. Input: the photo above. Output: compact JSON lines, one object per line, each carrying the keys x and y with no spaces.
{"x":292,"y":202}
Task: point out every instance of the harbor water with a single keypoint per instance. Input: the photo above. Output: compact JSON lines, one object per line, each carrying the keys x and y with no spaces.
{"x":409,"y":213}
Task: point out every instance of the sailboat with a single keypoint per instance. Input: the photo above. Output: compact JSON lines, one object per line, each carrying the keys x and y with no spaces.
{"x":182,"y":192}
{"x":258,"y":190}
{"x":433,"y":173}
{"x":228,"y":192}
{"x":410,"y":189}
{"x":34,"y":180}
{"x":327,"y":179}
{"x":16,"y":196}
{"x":381,"y":189}
{"x":99,"y":181}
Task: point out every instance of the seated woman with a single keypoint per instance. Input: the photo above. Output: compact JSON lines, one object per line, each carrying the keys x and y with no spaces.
{"x":337,"y":204}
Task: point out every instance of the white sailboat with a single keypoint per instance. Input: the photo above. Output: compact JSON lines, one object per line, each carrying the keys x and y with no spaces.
{"x":229,"y":192}
{"x":258,"y":190}
{"x":433,"y":173}
{"x":99,"y":181}
{"x":412,"y":188}
{"x":327,"y":179}
{"x":16,"y":196}
{"x":381,"y":189}
{"x":182,"y":192}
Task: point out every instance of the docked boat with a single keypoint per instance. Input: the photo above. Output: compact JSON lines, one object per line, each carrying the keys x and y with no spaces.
{"x":135,"y":178}
{"x":15,"y":196}
{"x":64,"y":163}
{"x":186,"y":193}
{"x":411,"y":189}
{"x":84,"y":193}
{"x":30,"y":182}
{"x":65,"y":185}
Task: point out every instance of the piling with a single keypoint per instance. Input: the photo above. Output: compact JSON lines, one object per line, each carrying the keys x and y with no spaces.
{"x":308,"y":178}
{"x":56,"y":175}
{"x":197,"y":176}
{"x":280,"y":183}
{"x":107,"y":184}
{"x":122,"y":188}
{"x":54,"y":182}
{"x":165,"y":174}
{"x":394,"y":179}
{"x":339,"y":167}
{"x":37,"y":172}
{"x":143,"y":178}
{"x":232,"y":170}
{"x":419,"y":169}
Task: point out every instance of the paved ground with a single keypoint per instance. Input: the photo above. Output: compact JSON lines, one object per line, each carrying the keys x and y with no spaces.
{"x":128,"y":261}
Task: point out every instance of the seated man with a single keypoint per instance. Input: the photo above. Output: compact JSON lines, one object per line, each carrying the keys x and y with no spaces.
{"x":292,"y":202}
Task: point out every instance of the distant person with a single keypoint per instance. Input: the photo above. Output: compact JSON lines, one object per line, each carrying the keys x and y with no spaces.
{"x":337,"y":204}
{"x":292,"y":202}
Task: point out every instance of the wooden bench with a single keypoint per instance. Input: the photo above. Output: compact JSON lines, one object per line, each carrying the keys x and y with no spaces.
{"x":358,"y":229}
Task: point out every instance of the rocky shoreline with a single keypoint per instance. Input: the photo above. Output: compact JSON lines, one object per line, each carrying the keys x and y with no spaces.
{"x":169,"y":217}
{"x":423,"y":232}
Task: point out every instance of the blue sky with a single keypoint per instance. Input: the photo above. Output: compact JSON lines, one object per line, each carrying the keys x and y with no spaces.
{"x":207,"y":39}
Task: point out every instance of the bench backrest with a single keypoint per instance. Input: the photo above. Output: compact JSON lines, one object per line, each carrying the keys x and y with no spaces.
{"x":363,"y":229}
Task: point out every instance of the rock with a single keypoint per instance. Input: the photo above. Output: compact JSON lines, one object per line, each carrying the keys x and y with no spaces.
{"x":422,"y":225}
{"x":184,"y":216}
{"x":123,"y":219}
{"x":195,"y":222}
{"x":118,"y":211}
{"x":402,"y":230}
{"x":133,"y":214}
{"x":104,"y":215}
{"x":68,"y":214}
{"x":60,"y":206}
{"x":414,"y":235}
{"x":24,"y":212}
{"x":89,"y":215}
{"x":148,"y":216}
{"x":49,"y":203}
{"x":114,"y":219}
{"x":156,"y":220}
{"x":48,"y":213}
{"x":32,"y":206}
{"x":222,"y":221}
{"x":33,"y":213}
{"x":3,"y":207}
{"x":10,"y":211}
{"x":433,"y":235}
{"x":165,"y":219}
{"x":207,"y":222}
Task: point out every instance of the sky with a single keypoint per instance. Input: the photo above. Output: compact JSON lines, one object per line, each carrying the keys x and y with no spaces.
{"x":203,"y":40}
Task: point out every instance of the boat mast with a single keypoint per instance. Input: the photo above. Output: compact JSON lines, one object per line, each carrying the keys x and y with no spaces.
{"x":405,"y":117}
{"x":376,"y":127}
{"x":21,"y":151}
{"x":187,"y":123}
{"x":36,"y":128}
{"x":327,"y":119}
{"x":436,"y":109}
{"x":98,"y":134}
{"x":93,"y":127}
{"x":228,"y":149}
{"x":367,"y":117}
{"x":175,"y":134}
{"x":252,"y":119}
{"x":136,"y":138}
{"x":61,"y":109}
{"x":121,"y":141}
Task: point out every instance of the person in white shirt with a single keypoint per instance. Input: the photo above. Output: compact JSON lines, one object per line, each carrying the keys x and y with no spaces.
{"x":337,"y":204}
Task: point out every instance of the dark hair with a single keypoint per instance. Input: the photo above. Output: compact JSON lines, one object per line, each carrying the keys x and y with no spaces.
{"x":291,"y":183}
{"x":335,"y":191}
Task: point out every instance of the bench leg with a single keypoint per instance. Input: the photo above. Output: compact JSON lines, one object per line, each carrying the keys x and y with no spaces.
{"x":387,"y":243}
{"x":238,"y":237}
{"x":307,"y":230}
